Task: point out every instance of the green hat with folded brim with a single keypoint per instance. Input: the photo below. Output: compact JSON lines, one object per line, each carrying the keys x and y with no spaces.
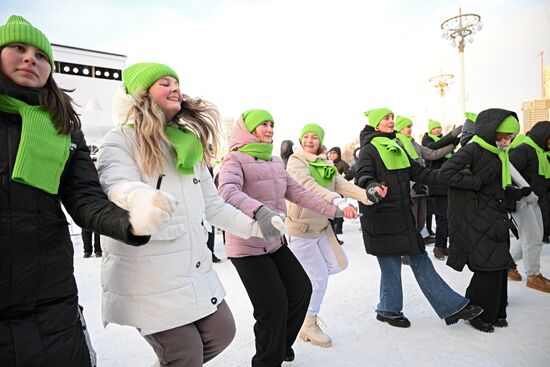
{"x":18,"y":29}
{"x":313,"y":128}
{"x":509,"y":125}
{"x":376,"y":115}
{"x":253,"y":118}
{"x":139,"y":77}
{"x":432,"y":124}
{"x":402,"y":122}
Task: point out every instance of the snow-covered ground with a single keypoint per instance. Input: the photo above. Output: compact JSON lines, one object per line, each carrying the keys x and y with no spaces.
{"x":348,"y":310}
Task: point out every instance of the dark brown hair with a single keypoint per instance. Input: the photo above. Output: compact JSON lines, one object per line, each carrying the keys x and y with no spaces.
{"x":60,"y":105}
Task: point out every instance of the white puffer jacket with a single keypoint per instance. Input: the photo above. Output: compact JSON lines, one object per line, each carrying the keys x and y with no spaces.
{"x":168,"y":282}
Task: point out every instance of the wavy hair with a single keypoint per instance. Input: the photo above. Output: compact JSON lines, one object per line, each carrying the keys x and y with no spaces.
{"x":196,"y":115}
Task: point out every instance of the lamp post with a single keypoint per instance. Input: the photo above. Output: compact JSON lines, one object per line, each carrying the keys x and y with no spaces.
{"x":458,"y":29}
{"x":441,"y":82}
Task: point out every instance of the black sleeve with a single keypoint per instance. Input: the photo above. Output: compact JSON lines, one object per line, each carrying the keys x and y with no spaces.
{"x":422,"y":174}
{"x":444,"y":141}
{"x":455,"y":172}
{"x":366,"y":166}
{"x":85,"y":201}
{"x":519,"y":157}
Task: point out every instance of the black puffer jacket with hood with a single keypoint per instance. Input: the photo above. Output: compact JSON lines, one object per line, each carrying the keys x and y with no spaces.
{"x":479,"y":225}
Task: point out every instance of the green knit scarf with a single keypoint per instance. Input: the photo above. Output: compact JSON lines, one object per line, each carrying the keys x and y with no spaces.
{"x":436,"y":138}
{"x":502,"y":155}
{"x":407,"y":145}
{"x":393,"y":156}
{"x":321,"y":172}
{"x":544,"y":164}
{"x":262,"y":151}
{"x":42,"y":151}
{"x":188,"y":147}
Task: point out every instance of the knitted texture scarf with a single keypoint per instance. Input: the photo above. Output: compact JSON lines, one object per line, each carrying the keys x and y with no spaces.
{"x":188,"y":147}
{"x":393,"y":156}
{"x":502,"y":155}
{"x":322,"y":172}
{"x":544,"y":164}
{"x":42,"y":151}
{"x":407,"y":145}
{"x":259,"y":150}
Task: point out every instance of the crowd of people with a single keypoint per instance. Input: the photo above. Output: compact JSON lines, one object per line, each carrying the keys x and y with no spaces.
{"x":153,"y":199}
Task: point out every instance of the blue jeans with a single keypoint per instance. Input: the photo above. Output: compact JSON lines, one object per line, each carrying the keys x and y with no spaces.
{"x":443,"y":299}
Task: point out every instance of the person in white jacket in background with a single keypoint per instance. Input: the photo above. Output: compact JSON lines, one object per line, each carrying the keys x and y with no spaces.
{"x":154,"y":160}
{"x":311,"y":237}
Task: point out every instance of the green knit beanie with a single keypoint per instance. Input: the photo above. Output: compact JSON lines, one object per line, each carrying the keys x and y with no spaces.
{"x":471,"y":116}
{"x":402,"y":122}
{"x":376,"y":115}
{"x":139,"y":77}
{"x":18,"y":29}
{"x":432,"y":124}
{"x":509,"y":125}
{"x":313,"y":128}
{"x":253,"y":118}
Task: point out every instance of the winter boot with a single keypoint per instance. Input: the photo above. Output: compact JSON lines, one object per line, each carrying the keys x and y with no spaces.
{"x":312,"y":333}
{"x":439,"y":253}
{"x":513,"y":274}
{"x":538,"y":282}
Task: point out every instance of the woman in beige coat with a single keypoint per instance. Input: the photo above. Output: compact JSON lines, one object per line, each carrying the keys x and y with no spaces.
{"x":312,"y":239}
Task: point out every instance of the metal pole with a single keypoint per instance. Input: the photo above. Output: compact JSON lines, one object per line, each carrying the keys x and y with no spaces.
{"x":461,"y":80}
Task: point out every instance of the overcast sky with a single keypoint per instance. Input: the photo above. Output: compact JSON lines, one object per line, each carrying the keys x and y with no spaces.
{"x":313,"y":60}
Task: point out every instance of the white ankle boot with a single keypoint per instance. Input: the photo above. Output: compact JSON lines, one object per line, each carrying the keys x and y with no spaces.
{"x":312,"y":333}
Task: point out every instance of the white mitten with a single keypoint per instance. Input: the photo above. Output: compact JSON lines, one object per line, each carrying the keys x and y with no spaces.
{"x":529,"y":199}
{"x":150,"y":210}
{"x":341,"y":203}
{"x":279,"y":224}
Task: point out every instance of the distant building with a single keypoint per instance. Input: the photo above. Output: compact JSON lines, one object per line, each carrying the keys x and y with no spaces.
{"x":534,"y":111}
{"x":94,"y":76}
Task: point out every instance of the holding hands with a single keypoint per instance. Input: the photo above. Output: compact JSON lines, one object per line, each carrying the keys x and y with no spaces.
{"x":150,"y":210}
{"x":345,"y":210}
{"x":376,"y":192}
{"x":270,"y":224}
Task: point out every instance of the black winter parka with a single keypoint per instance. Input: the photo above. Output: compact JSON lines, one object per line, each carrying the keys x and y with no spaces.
{"x":38,"y":296}
{"x":479,"y":226}
{"x":389,"y":227}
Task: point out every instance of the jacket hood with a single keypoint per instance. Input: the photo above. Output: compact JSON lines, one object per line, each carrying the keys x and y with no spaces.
{"x":240,"y":135}
{"x":368,"y":133}
{"x":540,"y":133}
{"x":488,"y":121}
{"x":467,"y":131}
{"x":287,"y":148}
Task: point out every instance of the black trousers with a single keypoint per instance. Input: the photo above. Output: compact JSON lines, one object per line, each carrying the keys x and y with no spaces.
{"x":87,"y":241}
{"x":439,"y":206}
{"x":489,"y":289}
{"x":210,"y":241}
{"x":279,"y":290}
{"x":337,"y":224}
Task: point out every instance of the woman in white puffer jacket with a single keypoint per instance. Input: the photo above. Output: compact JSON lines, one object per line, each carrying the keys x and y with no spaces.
{"x":155,"y":159}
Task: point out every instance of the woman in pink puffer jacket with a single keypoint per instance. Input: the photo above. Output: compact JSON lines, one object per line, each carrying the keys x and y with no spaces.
{"x":255,"y":182}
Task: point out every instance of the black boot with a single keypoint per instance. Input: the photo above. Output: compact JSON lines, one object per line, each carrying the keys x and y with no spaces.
{"x":400,"y":321}
{"x":467,"y":313}
{"x":479,"y":324}
{"x":289,"y":355}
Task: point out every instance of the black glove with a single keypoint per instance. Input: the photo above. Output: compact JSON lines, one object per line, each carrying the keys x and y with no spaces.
{"x":263,"y":216}
{"x":516,"y":194}
{"x":372,"y":194}
{"x":488,"y":178}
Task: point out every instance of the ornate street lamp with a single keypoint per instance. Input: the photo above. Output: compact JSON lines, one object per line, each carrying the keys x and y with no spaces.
{"x":458,"y":29}
{"x":441,"y":82}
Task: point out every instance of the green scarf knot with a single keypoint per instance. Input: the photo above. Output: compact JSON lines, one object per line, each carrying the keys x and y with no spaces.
{"x":407,"y":145}
{"x":393,"y":156}
{"x":261,"y":151}
{"x":188,"y":147}
{"x":322,"y":172}
{"x":502,"y":155}
{"x":42,"y":151}
{"x":542,"y":156}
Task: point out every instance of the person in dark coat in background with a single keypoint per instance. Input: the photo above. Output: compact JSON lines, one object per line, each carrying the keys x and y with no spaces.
{"x":468,"y":128}
{"x":39,"y":312}
{"x":478,"y":220}
{"x":88,"y":235}
{"x":335,"y":155}
{"x":389,"y":227}
{"x":437,"y":194}
{"x":530,"y":158}
{"x":286,"y":150}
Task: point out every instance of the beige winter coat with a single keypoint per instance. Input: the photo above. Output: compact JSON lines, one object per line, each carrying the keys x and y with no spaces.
{"x":306,"y":223}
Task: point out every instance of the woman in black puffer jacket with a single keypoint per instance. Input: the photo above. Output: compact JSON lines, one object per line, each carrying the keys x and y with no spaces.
{"x":479,"y":225}
{"x":44,"y":161}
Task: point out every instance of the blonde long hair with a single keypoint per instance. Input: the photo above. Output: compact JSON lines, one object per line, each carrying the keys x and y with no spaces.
{"x":196,"y":115}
